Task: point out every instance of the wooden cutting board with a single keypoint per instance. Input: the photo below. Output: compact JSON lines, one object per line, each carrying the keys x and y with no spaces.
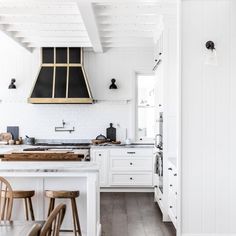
{"x":43,"y":156}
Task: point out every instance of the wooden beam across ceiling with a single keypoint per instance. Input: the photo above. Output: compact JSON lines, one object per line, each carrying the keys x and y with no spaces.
{"x":88,"y":16}
{"x":17,"y":40}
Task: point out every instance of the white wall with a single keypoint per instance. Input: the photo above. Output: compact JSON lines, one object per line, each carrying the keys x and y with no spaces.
{"x":208,"y":119}
{"x":89,"y":120}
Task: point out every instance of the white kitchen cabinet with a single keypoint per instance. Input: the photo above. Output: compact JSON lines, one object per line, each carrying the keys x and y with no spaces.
{"x":130,"y":179}
{"x":124,"y":167}
{"x":131,"y":164}
{"x":172,"y":192}
{"x":101,"y":158}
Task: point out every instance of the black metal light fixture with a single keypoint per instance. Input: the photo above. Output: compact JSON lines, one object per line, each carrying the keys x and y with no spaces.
{"x":113,"y":85}
{"x":211,"y":54}
{"x":210,"y":45}
{"x":12,"y":84}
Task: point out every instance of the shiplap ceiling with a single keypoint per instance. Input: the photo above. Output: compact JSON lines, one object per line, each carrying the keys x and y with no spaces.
{"x":81,"y":23}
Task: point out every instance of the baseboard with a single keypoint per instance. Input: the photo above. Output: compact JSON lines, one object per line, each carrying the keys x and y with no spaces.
{"x":99,"y":231}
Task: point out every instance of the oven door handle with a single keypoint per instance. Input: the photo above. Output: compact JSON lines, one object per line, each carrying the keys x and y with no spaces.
{"x":157,"y":135}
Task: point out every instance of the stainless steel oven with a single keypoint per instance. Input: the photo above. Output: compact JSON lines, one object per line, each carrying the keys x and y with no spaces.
{"x":159,"y":169}
{"x":159,"y":136}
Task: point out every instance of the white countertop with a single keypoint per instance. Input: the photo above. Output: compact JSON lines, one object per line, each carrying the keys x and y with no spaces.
{"x":48,"y":166}
{"x":122,"y":146}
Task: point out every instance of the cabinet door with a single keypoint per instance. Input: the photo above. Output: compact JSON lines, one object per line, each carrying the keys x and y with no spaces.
{"x":101,"y":158}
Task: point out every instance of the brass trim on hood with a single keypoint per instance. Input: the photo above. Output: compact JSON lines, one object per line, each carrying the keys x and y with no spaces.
{"x":60,"y":100}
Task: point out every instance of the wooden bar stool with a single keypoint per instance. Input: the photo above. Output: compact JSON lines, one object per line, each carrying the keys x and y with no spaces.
{"x":26,"y":196}
{"x":72,"y":195}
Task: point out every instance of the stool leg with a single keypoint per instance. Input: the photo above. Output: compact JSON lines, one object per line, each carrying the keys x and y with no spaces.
{"x":26,"y":209}
{"x":31,"y":209}
{"x":75,"y":217}
{"x":51,"y":205}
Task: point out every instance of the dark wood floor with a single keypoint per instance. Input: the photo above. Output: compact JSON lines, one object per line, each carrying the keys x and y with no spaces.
{"x":132,"y":214}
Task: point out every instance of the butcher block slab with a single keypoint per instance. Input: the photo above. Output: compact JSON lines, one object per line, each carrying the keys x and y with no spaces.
{"x":43,"y":156}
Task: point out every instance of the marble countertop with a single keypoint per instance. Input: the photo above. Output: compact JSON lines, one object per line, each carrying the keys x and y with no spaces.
{"x":49,"y":166}
{"x":122,"y":146}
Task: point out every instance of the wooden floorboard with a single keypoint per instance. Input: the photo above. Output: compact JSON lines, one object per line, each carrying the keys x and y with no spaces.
{"x":132,"y":214}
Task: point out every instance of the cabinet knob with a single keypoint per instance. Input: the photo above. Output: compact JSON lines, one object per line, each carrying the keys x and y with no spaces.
{"x":159,"y":199}
{"x":131,"y":178}
{"x":99,"y":154}
{"x":175,"y":174}
{"x":171,"y":207}
{"x":171,"y":185}
{"x":176,"y":217}
{"x":169,"y":168}
{"x":155,"y":186}
{"x":131,"y":163}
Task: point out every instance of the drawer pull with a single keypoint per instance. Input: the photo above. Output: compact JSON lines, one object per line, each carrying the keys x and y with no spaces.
{"x":131,"y":163}
{"x":131,"y":178}
{"x":130,"y":152}
{"x":169,"y":168}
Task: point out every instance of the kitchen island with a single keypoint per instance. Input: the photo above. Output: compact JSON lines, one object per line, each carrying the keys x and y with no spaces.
{"x":53,"y":175}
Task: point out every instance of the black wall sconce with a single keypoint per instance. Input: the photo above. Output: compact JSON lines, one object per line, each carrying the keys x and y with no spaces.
{"x":210,"y":45}
{"x":113,"y":85}
{"x":211,"y":55}
{"x":12,"y":84}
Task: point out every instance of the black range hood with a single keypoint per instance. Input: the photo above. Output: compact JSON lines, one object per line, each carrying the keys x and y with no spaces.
{"x":61,"y":78}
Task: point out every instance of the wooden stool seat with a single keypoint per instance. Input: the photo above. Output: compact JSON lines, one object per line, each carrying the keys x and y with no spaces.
{"x":62,"y":194}
{"x":26,"y":195}
{"x":23,"y":194}
{"x":72,"y":195}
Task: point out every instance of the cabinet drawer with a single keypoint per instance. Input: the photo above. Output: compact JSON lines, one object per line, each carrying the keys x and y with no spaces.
{"x":129,"y":152}
{"x":124,"y":164}
{"x":131,"y":179}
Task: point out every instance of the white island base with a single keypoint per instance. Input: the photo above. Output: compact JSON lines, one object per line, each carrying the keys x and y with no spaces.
{"x":41,"y":176}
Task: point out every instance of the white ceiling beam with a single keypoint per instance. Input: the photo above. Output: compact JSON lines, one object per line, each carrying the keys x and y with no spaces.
{"x":60,"y":44}
{"x":128,"y":20}
{"x":39,"y":10}
{"x":128,"y":45}
{"x":128,"y":40}
{"x":88,"y":16}
{"x":36,"y":26}
{"x":17,"y":40}
{"x":41,"y":19}
{"x":128,"y":27}
{"x":34,"y":2}
{"x":55,"y":39}
{"x":127,"y":11}
{"x":119,"y":34}
{"x":51,"y":33}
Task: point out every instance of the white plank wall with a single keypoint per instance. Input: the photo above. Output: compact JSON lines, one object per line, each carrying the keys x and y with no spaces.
{"x":209,"y":115}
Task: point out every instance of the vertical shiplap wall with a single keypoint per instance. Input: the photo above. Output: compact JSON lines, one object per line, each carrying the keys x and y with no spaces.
{"x":208,"y":118}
